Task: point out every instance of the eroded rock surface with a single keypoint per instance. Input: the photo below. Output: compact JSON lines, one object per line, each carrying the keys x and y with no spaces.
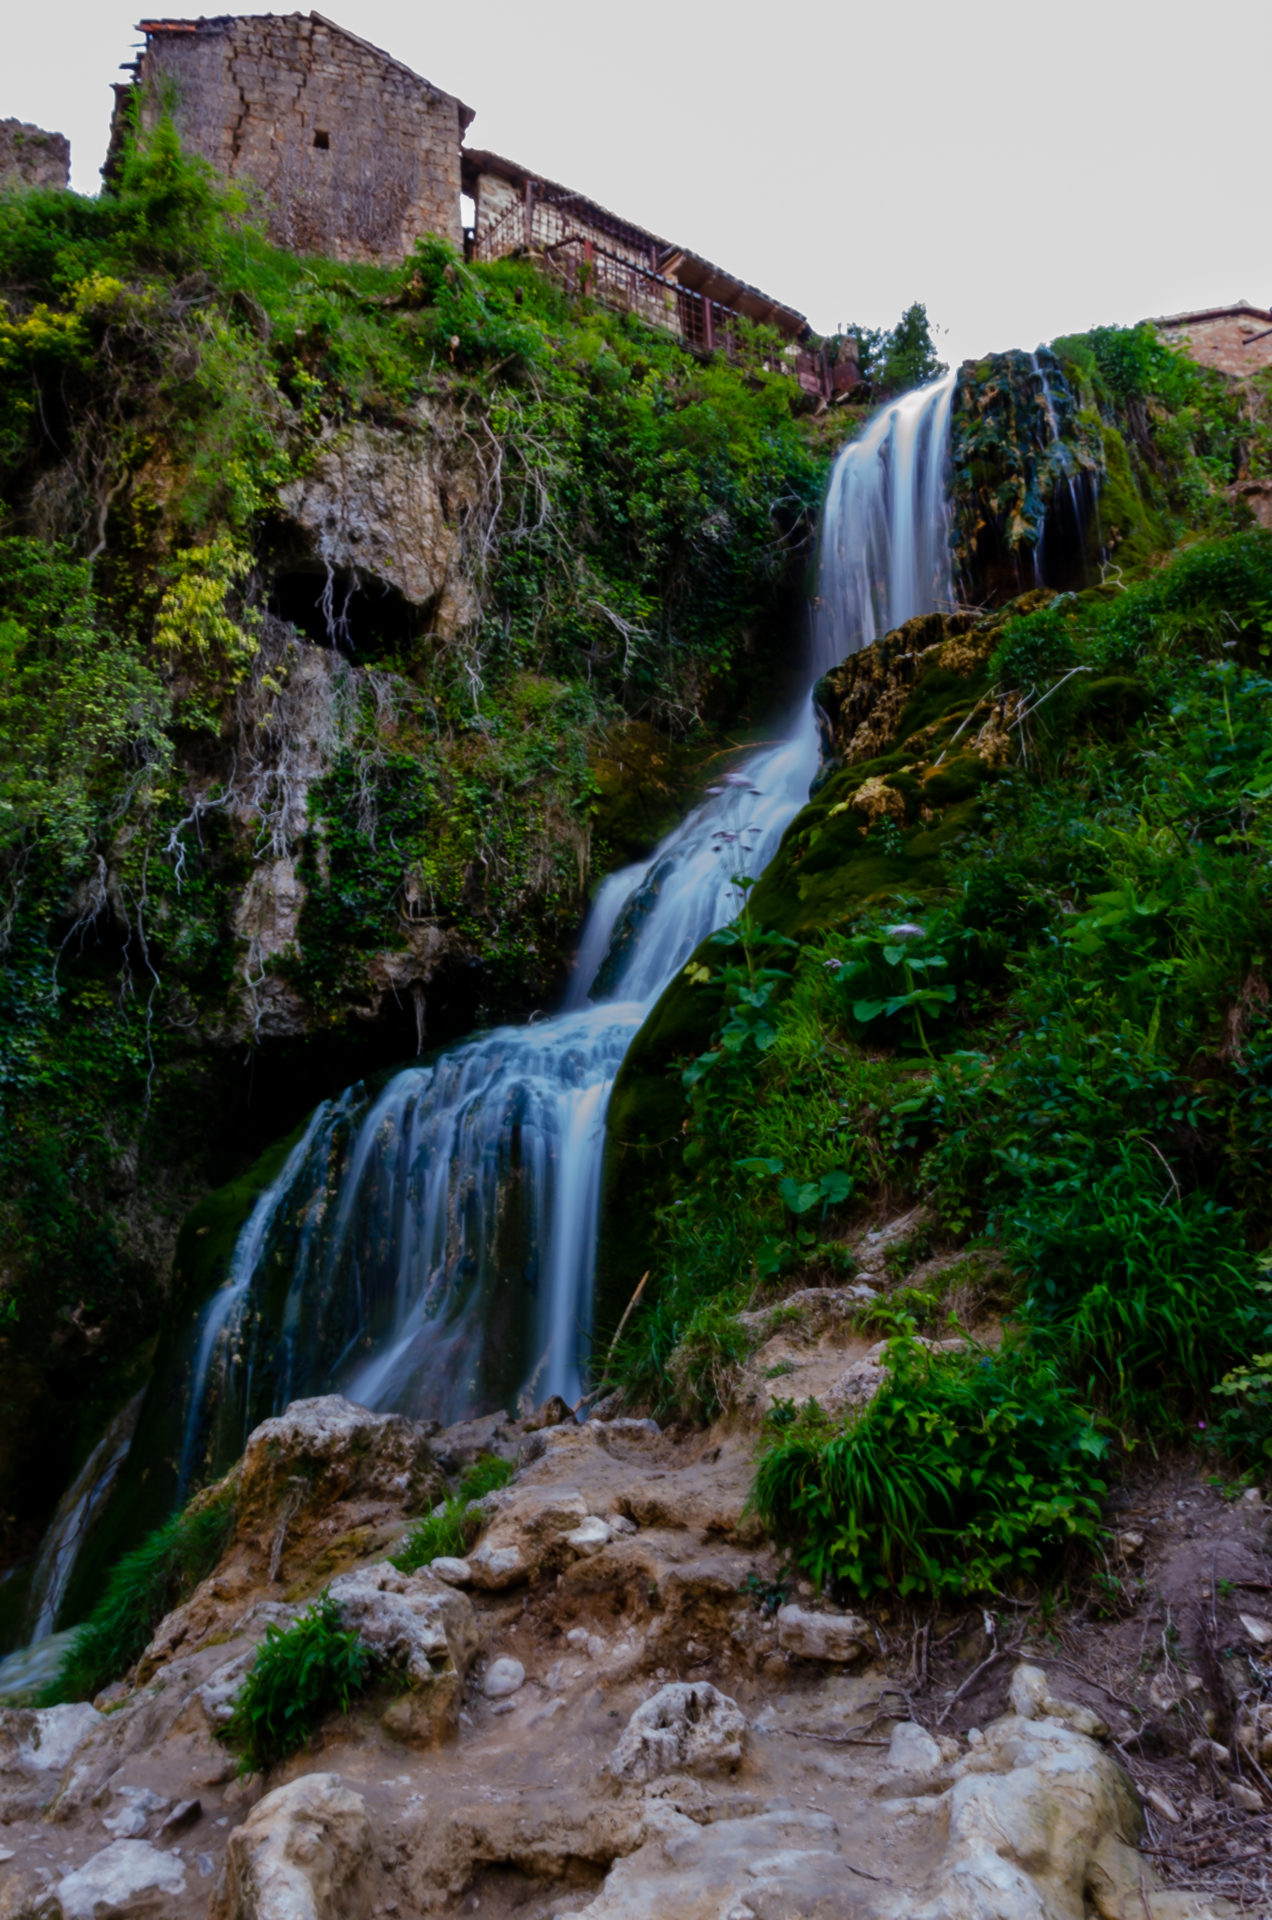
{"x":302,"y":1854}
{"x":684,"y":1728}
{"x":621,"y":1722}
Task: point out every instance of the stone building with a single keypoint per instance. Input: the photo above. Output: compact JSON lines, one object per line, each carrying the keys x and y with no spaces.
{"x":348,"y":152}
{"x":1237,"y":339}
{"x":30,"y":157}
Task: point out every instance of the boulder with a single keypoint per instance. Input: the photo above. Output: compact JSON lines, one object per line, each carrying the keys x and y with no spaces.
{"x":126,"y":1880}
{"x":419,"y":1627}
{"x":684,"y":1728}
{"x":323,"y":1451}
{"x":530,"y":1529}
{"x":1029,"y":1807}
{"x":812,"y":1635}
{"x":303,"y":1853}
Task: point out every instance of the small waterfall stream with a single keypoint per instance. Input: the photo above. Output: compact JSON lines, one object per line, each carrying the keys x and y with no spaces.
{"x":430,"y":1248}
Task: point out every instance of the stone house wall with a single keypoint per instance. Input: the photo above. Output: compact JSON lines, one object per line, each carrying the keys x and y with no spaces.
{"x":30,"y":157}
{"x":1236,"y":340}
{"x":352,"y":154}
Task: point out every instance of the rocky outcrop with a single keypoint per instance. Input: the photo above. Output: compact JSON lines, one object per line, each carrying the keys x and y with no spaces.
{"x":30,"y":157}
{"x":125,"y":1881}
{"x":326,"y":1453}
{"x":683,"y":1728}
{"x":646,"y":1722}
{"x":382,"y":510}
{"x":419,"y":1628}
{"x":302,"y":1854}
{"x":36,"y":1746}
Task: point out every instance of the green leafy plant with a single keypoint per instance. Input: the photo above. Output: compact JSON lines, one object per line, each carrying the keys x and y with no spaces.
{"x":142,"y":1587}
{"x":300,"y":1675}
{"x":965,"y":1470}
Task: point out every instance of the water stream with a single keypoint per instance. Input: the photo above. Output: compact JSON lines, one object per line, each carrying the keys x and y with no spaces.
{"x":429,"y":1248}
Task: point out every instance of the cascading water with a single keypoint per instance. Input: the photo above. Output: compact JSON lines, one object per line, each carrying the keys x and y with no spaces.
{"x":430,"y":1248}
{"x":1059,"y":551}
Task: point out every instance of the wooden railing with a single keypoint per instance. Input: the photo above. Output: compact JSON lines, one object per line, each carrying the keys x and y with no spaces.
{"x":621,"y":279}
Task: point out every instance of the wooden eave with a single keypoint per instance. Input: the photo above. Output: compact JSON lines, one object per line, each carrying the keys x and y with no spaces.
{"x":687,"y":269}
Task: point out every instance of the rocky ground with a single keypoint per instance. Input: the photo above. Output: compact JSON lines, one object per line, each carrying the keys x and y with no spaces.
{"x":620,"y":1706}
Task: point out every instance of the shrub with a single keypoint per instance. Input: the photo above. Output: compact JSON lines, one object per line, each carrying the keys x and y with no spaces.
{"x":145,"y":1585}
{"x":301,"y":1674}
{"x":1148,"y":1295}
{"x":965,"y":1470}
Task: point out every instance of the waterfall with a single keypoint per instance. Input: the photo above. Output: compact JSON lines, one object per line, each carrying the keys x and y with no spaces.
{"x":430,"y":1248}
{"x":1059,"y":549}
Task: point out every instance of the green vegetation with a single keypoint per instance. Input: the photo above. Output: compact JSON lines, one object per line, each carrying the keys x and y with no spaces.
{"x":141,"y":1588}
{"x":965,"y":1472}
{"x":1038,"y":1003}
{"x":300,"y":1675}
{"x":898,"y":358}
{"x":452,"y":1527}
{"x":626,"y":526}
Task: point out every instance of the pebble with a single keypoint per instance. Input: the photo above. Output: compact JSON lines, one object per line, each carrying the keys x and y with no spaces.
{"x":502,"y":1678}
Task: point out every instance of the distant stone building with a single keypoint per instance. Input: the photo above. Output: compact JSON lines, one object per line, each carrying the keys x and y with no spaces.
{"x":30,"y":157}
{"x":351,"y":154}
{"x":1237,"y":339}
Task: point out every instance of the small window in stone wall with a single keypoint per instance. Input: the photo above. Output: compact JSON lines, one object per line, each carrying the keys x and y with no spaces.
{"x":322,"y":140}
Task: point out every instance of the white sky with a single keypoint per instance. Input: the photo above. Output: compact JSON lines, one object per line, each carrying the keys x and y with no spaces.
{"x":1024,"y":170}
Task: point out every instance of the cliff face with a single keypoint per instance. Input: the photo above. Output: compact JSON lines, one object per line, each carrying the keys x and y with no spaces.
{"x":352,"y":620}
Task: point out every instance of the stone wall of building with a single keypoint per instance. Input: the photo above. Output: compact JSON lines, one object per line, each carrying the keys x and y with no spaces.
{"x":352,"y":155}
{"x":30,"y":157}
{"x":1236,"y":340}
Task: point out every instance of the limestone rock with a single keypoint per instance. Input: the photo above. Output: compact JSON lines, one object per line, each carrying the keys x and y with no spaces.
{"x":912,"y":1750}
{"x":683,"y":1728}
{"x":419,"y":1627}
{"x":590,"y":1537}
{"x":126,"y":1880}
{"x":374,"y":506}
{"x":303,"y":1853}
{"x":325,"y":1450}
{"x":410,"y":1620}
{"x":503,"y":1677}
{"x":1031,"y":1697}
{"x":530,"y":1529}
{"x":776,"y":1863}
{"x":1029,"y":1806}
{"x":133,"y":1814}
{"x":812,"y":1635}
{"x":454,"y":1572}
{"x":36,"y":1745}
{"x":1122,"y":1886}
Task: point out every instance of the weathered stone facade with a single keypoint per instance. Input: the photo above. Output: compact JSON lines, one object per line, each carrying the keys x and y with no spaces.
{"x":350,"y":153}
{"x":30,"y":157}
{"x":1237,"y":339}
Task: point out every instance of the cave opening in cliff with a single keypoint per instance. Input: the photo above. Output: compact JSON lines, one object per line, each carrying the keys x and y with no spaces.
{"x":364,"y":618}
